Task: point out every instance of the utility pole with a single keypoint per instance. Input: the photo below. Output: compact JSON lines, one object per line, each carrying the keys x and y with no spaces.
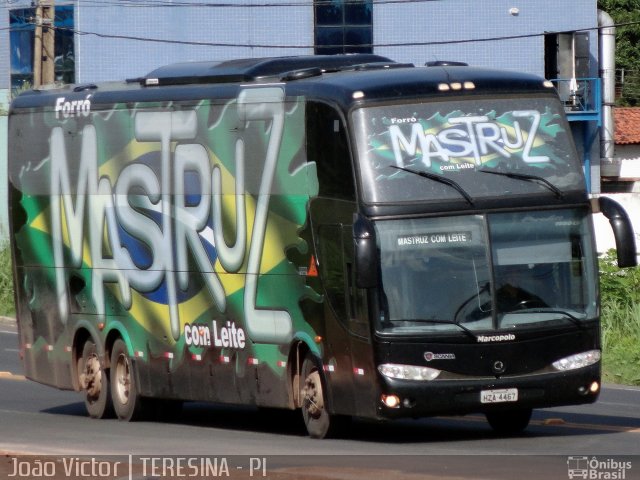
{"x":44,"y":46}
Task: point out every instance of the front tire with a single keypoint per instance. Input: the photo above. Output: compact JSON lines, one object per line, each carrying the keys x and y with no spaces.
{"x":94,"y":381}
{"x":319,"y":422}
{"x":127,"y":402}
{"x":510,"y":422}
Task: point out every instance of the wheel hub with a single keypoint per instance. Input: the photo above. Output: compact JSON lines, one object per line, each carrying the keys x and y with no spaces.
{"x":91,"y":378}
{"x":312,"y":392}
{"x":123,"y":379}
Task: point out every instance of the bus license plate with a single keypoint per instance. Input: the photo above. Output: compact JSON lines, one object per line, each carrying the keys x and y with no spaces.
{"x":499,"y":396}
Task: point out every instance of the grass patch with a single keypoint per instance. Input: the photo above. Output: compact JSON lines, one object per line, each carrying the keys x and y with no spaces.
{"x":7,"y":307}
{"x":620,"y":297}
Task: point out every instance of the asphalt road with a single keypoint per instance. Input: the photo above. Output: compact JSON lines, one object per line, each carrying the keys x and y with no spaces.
{"x":36,"y":419}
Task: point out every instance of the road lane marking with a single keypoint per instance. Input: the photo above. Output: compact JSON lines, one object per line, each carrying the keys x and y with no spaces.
{"x":8,"y":332}
{"x":12,"y":376}
{"x":624,"y":388}
{"x":557,"y":422}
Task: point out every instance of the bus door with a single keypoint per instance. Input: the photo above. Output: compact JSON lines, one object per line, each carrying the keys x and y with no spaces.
{"x":349,"y":360}
{"x":332,"y":213}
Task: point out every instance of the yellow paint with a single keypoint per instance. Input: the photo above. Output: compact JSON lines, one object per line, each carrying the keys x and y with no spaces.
{"x":154,"y":316}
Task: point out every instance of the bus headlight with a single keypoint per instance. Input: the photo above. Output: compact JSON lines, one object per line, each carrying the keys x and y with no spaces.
{"x":578,"y":360}
{"x":408,"y":372}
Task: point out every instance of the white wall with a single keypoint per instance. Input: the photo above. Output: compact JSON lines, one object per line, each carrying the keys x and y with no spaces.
{"x":4,"y":218}
{"x":604,"y":235}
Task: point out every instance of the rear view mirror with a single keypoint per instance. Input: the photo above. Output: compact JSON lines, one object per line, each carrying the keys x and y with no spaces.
{"x":622,"y":231}
{"x":364,"y":242}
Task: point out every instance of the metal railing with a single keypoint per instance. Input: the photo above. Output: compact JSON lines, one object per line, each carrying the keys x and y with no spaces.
{"x":579,"y":95}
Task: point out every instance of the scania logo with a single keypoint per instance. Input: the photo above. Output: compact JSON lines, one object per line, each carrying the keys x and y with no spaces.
{"x":428,"y":356}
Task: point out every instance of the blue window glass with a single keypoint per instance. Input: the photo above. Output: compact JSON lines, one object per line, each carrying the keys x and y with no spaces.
{"x":330,"y":38}
{"x":358,"y":13}
{"x":22,"y":44}
{"x":357,"y":37}
{"x":343,"y":26}
{"x":329,"y":13}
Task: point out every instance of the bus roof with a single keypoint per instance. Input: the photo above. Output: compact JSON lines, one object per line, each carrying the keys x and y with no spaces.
{"x":343,"y":79}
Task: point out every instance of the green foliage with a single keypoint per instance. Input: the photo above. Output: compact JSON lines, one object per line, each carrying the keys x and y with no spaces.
{"x":24,"y":87}
{"x":627,"y":40}
{"x":627,"y":36}
{"x":7,"y":307}
{"x":620,"y":297}
{"x":617,"y":285}
{"x":14,"y":93}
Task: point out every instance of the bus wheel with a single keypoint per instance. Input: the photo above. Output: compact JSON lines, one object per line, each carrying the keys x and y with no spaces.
{"x":94,"y":381}
{"x":126,"y":400}
{"x":319,"y":422}
{"x":509,"y":423}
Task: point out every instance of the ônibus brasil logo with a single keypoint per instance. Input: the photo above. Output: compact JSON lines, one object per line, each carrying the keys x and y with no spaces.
{"x":596,"y":468}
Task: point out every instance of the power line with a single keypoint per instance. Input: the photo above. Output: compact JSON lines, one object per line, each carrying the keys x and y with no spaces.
{"x":291,"y":46}
{"x":183,"y":4}
{"x":373,"y":45}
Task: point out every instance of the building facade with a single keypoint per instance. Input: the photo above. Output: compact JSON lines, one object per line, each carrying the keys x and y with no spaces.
{"x":114,"y":39}
{"x":117,"y":39}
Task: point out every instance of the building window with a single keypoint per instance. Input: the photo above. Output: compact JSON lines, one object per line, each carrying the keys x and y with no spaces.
{"x":22,"y":43}
{"x":343,"y":26}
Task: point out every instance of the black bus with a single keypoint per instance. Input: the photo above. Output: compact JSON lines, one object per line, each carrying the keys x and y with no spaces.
{"x":344,"y":235}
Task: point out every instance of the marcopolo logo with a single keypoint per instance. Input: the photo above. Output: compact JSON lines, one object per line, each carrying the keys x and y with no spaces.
{"x":597,"y":468}
{"x":507,"y":337}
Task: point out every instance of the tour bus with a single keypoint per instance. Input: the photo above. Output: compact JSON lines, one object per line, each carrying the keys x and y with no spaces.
{"x":344,"y":235}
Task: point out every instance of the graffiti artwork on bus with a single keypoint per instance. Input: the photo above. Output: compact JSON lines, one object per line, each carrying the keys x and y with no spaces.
{"x":460,"y":141}
{"x":172,"y":221}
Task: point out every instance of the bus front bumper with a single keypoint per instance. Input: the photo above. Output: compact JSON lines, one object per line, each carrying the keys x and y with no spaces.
{"x":407,"y":398}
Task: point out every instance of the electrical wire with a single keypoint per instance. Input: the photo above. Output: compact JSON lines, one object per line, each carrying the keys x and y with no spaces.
{"x":293,"y":46}
{"x":184,"y":4}
{"x":136,"y":38}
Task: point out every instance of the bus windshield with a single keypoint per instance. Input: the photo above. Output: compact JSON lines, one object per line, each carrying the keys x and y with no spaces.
{"x":473,"y":148}
{"x":486,"y":272}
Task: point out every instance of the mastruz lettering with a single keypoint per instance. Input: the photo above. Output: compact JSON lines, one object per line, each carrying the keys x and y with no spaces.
{"x":413,"y":240}
{"x":472,"y":136}
{"x":175,"y":239}
{"x":496,"y":338}
{"x":434,"y":238}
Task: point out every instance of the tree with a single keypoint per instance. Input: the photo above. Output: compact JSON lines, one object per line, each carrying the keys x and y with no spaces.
{"x":627,"y":41}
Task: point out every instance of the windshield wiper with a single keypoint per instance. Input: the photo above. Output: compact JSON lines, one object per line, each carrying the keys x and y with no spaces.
{"x":440,"y":179}
{"x":442,"y":322}
{"x":527,"y":177}
{"x":575,"y":320}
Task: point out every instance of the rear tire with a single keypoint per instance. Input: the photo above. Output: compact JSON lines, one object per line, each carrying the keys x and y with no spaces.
{"x":94,"y":382}
{"x":127,"y":402}
{"x":510,"y":422}
{"x":319,"y":423}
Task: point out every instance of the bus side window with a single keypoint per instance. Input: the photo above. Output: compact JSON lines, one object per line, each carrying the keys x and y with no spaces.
{"x":332,"y":212}
{"x":332,"y":268}
{"x":327,"y":146}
